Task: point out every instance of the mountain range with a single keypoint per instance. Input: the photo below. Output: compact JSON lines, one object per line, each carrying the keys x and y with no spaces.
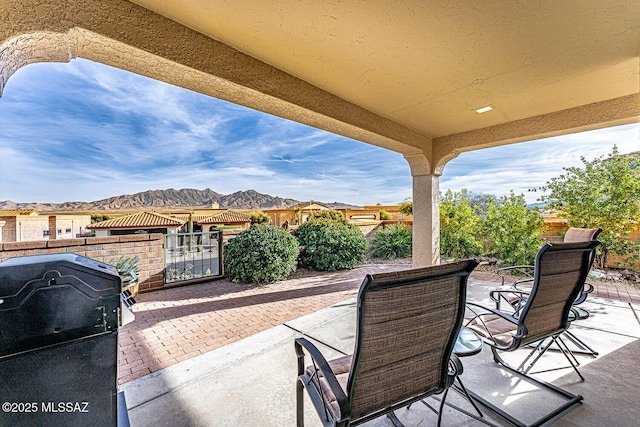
{"x":171,"y":198}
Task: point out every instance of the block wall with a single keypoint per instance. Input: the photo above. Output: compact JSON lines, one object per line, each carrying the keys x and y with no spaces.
{"x":148,"y":247}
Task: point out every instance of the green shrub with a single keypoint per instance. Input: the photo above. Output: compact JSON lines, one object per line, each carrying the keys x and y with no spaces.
{"x":259,"y":217}
{"x":331,"y":245}
{"x":126,"y":263}
{"x":512,"y":232}
{"x":330,"y":214}
{"x":460,"y":226}
{"x":391,"y":242}
{"x":406,"y":208}
{"x":261,"y":254}
{"x":384,"y":215}
{"x":99,"y":218}
{"x":604,"y":193}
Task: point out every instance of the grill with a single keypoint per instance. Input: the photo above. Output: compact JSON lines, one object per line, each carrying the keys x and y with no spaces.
{"x":59,"y":319}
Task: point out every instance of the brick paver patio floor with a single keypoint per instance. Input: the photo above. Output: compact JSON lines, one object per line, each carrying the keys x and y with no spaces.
{"x":177,"y":324}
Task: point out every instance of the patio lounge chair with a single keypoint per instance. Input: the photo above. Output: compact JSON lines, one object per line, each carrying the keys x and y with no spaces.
{"x":560,"y":272}
{"x":407,"y":326}
{"x":521,"y":287}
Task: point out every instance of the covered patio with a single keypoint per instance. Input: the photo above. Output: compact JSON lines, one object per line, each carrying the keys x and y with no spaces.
{"x":252,"y":381}
{"x":429,"y":80}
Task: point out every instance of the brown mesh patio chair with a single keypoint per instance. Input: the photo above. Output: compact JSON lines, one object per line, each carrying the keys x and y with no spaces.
{"x":559,"y":274}
{"x":408,"y":322}
{"x":524,"y":273}
{"x":522,"y":286}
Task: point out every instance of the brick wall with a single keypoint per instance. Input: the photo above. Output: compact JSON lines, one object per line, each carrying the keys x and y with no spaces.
{"x":148,"y":247}
{"x":9,"y":228}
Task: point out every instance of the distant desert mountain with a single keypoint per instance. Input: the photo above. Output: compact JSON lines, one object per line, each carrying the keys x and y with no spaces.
{"x":186,"y":197}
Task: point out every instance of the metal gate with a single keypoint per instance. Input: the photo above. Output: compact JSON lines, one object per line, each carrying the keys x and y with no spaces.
{"x":191,"y":256}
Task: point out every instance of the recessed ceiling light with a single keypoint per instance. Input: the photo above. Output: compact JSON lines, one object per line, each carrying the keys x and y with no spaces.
{"x":484,"y":109}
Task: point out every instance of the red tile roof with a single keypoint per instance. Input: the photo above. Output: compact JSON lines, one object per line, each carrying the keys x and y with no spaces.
{"x":138,"y":220}
{"x":16,"y":212}
{"x":226,"y":217}
{"x":185,"y":217}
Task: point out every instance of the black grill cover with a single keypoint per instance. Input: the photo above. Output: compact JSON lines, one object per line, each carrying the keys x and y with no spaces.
{"x":49,"y":299}
{"x":58,"y":341}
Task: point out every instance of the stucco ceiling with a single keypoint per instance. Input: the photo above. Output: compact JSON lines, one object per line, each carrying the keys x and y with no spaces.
{"x":428,"y":65}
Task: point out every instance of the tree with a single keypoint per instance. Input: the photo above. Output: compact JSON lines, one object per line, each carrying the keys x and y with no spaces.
{"x":511,"y":231}
{"x":330,"y":214}
{"x":99,"y":218}
{"x":460,"y":226}
{"x":384,"y":215}
{"x":604,"y":193}
{"x":407,"y":208}
{"x":259,"y":217}
{"x":479,"y":201}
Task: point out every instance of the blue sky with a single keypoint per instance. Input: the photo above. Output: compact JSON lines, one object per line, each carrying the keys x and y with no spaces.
{"x":83,"y":131}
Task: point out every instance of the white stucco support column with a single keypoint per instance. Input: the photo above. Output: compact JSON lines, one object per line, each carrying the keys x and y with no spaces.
{"x":426,"y":211}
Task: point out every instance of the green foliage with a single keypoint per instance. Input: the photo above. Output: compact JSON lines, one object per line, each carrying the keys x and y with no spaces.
{"x":604,"y":193}
{"x":479,"y":201}
{"x":330,"y":214}
{"x":261,"y":254}
{"x":259,"y":217}
{"x":384,"y":215}
{"x":126,"y":263}
{"x":511,"y":231}
{"x":406,"y":208}
{"x":393,"y":241}
{"x":460,"y":226}
{"x":331,"y":244}
{"x":99,"y":218}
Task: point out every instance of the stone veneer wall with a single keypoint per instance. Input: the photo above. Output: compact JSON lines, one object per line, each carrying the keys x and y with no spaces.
{"x":148,"y":247}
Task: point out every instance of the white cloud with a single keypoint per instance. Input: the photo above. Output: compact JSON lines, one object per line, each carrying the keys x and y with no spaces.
{"x":84,"y":131}
{"x":528,"y":165}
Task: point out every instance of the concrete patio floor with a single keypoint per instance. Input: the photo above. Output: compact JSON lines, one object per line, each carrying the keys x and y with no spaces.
{"x":251,"y":382}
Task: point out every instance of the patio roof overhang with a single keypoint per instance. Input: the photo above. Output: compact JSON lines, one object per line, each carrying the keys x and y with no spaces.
{"x":405,"y":77}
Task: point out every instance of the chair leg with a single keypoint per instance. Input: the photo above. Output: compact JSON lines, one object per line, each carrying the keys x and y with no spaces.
{"x":581,"y":345}
{"x":299,"y":404}
{"x":463,"y":390}
{"x":440,"y":410}
{"x":394,"y":419}
{"x":569,"y":355}
{"x":572,"y":399}
{"x":541,"y":349}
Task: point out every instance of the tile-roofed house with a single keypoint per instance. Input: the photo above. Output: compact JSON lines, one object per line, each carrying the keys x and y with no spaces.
{"x":295,"y":214}
{"x":26,"y":225}
{"x":226,"y":218}
{"x":140,"y":222}
{"x":213,"y":217}
{"x":17,"y":212}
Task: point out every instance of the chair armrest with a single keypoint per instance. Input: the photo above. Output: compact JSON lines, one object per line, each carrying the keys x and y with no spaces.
{"x":321,"y":364}
{"x":528,"y":282}
{"x":587,"y":288}
{"x":522,"y":329}
{"x":497,"y":295}
{"x":455,"y":369}
{"x":488,"y":310}
{"x":517,"y":270}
